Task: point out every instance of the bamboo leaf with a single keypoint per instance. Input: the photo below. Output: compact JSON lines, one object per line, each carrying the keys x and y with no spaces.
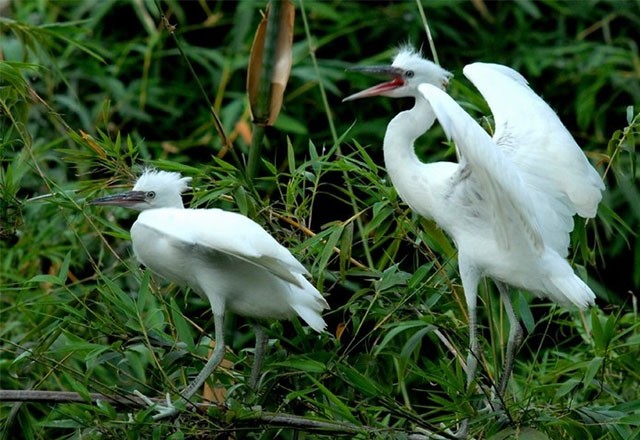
{"x":182,"y":328}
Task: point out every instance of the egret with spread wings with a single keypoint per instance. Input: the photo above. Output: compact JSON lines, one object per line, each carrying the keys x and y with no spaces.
{"x":508,"y":204}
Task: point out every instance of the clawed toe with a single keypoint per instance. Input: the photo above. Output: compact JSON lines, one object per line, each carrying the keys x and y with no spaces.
{"x":162,"y":411}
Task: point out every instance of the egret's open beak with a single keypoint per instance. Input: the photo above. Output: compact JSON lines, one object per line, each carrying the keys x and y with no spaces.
{"x":389,"y":71}
{"x":126,"y":199}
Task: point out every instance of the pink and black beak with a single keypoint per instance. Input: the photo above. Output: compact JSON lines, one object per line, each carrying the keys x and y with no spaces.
{"x":127,"y":199}
{"x":397,"y":80}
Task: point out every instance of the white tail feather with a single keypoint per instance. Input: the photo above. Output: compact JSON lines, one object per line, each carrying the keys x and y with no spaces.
{"x":308,"y":303}
{"x":571,"y":290}
{"x":311,"y":317}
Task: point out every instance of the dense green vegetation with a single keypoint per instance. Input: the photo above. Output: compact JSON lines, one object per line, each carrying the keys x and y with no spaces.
{"x":92,"y":91}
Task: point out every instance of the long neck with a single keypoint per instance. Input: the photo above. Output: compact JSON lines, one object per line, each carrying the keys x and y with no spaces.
{"x":422,"y":186}
{"x":399,"y":154}
{"x":409,"y":175}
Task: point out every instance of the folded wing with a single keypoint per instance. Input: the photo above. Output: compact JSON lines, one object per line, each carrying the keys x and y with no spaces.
{"x":229,"y":233}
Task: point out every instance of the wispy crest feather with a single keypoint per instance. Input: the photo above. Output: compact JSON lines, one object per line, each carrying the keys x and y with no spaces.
{"x":405,"y":54}
{"x":153,"y":179}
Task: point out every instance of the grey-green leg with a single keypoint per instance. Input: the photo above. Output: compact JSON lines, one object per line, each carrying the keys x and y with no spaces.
{"x":258,"y":355}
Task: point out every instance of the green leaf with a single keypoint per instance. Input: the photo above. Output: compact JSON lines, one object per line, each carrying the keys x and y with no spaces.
{"x":361,"y":382}
{"x":415,"y":341}
{"x":419,"y":276}
{"x":592,"y":369}
{"x":346,"y":243}
{"x":338,"y":406}
{"x":597,"y":332}
{"x":290,"y":125}
{"x":291,"y":157}
{"x":240,"y":196}
{"x":524,"y":311}
{"x":45,"y":278}
{"x":328,"y":249}
{"x":302,"y":364}
{"x":525,"y":433}
{"x":567,"y":387}
{"x":144,"y":294}
{"x":392,"y":277}
{"x":63,"y":273}
{"x":182,"y":328}
{"x":395,"y":331}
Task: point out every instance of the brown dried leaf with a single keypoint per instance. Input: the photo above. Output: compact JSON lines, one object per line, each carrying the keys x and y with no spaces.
{"x":279,"y":66}
{"x":93,"y":144}
{"x":255,"y":66}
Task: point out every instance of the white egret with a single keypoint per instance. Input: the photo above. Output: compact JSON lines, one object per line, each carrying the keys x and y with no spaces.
{"x":508,"y":204}
{"x":224,"y":256}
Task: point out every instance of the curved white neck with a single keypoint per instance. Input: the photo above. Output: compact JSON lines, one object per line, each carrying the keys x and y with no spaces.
{"x":399,"y":154}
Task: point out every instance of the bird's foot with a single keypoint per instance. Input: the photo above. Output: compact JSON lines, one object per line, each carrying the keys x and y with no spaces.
{"x":490,"y":404}
{"x":463,"y":431}
{"x":495,"y":404}
{"x":162,"y":411}
{"x":443,"y":432}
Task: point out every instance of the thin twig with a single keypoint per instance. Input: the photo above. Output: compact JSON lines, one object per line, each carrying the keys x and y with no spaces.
{"x":310,"y":233}
{"x":626,"y":132}
{"x":217,"y":122}
{"x":428,"y":31}
{"x":69,"y":397}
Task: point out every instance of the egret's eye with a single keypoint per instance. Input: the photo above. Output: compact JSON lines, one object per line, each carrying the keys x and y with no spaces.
{"x":409,"y":74}
{"x":151,"y":195}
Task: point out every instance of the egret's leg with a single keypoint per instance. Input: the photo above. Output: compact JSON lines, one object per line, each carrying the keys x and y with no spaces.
{"x":470,"y":279}
{"x":258,"y":355}
{"x":212,"y":363}
{"x":471,"y":295}
{"x":218,"y":354}
{"x":515,"y":337}
{"x":473,"y":355}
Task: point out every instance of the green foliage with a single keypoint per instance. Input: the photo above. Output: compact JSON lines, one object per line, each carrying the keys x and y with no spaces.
{"x":92,"y":91}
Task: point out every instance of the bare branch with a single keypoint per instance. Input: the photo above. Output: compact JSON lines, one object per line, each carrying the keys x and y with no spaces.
{"x":68,"y":397}
{"x":261,"y":417}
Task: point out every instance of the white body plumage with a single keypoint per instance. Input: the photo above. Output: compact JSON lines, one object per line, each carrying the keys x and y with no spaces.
{"x":509,"y":202}
{"x":229,"y":259}
{"x":226,"y":257}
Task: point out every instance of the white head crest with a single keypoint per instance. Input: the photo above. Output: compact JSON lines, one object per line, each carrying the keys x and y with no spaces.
{"x":158,"y":180}
{"x":407,"y":55}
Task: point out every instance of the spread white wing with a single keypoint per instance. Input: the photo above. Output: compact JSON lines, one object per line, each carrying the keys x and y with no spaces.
{"x":492,"y":175}
{"x":553,"y":168}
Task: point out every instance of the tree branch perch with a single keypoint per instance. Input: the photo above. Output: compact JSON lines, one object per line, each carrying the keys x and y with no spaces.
{"x":259,"y":416}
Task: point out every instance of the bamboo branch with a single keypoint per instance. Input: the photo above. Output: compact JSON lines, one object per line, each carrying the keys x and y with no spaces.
{"x":69,"y":397}
{"x":261,"y":417}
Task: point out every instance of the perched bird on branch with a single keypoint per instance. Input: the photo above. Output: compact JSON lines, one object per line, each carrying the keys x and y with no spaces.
{"x":508,"y":203}
{"x":224,"y":256}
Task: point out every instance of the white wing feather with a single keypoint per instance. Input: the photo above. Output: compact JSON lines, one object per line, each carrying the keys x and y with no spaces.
{"x":500,"y":184}
{"x":554,"y":169}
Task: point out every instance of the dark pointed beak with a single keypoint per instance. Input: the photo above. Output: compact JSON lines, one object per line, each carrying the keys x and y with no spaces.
{"x":389,"y":71}
{"x":126,"y":199}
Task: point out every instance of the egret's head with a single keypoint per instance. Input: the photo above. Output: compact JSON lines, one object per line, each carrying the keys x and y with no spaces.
{"x":407,"y":71}
{"x":153,"y":189}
